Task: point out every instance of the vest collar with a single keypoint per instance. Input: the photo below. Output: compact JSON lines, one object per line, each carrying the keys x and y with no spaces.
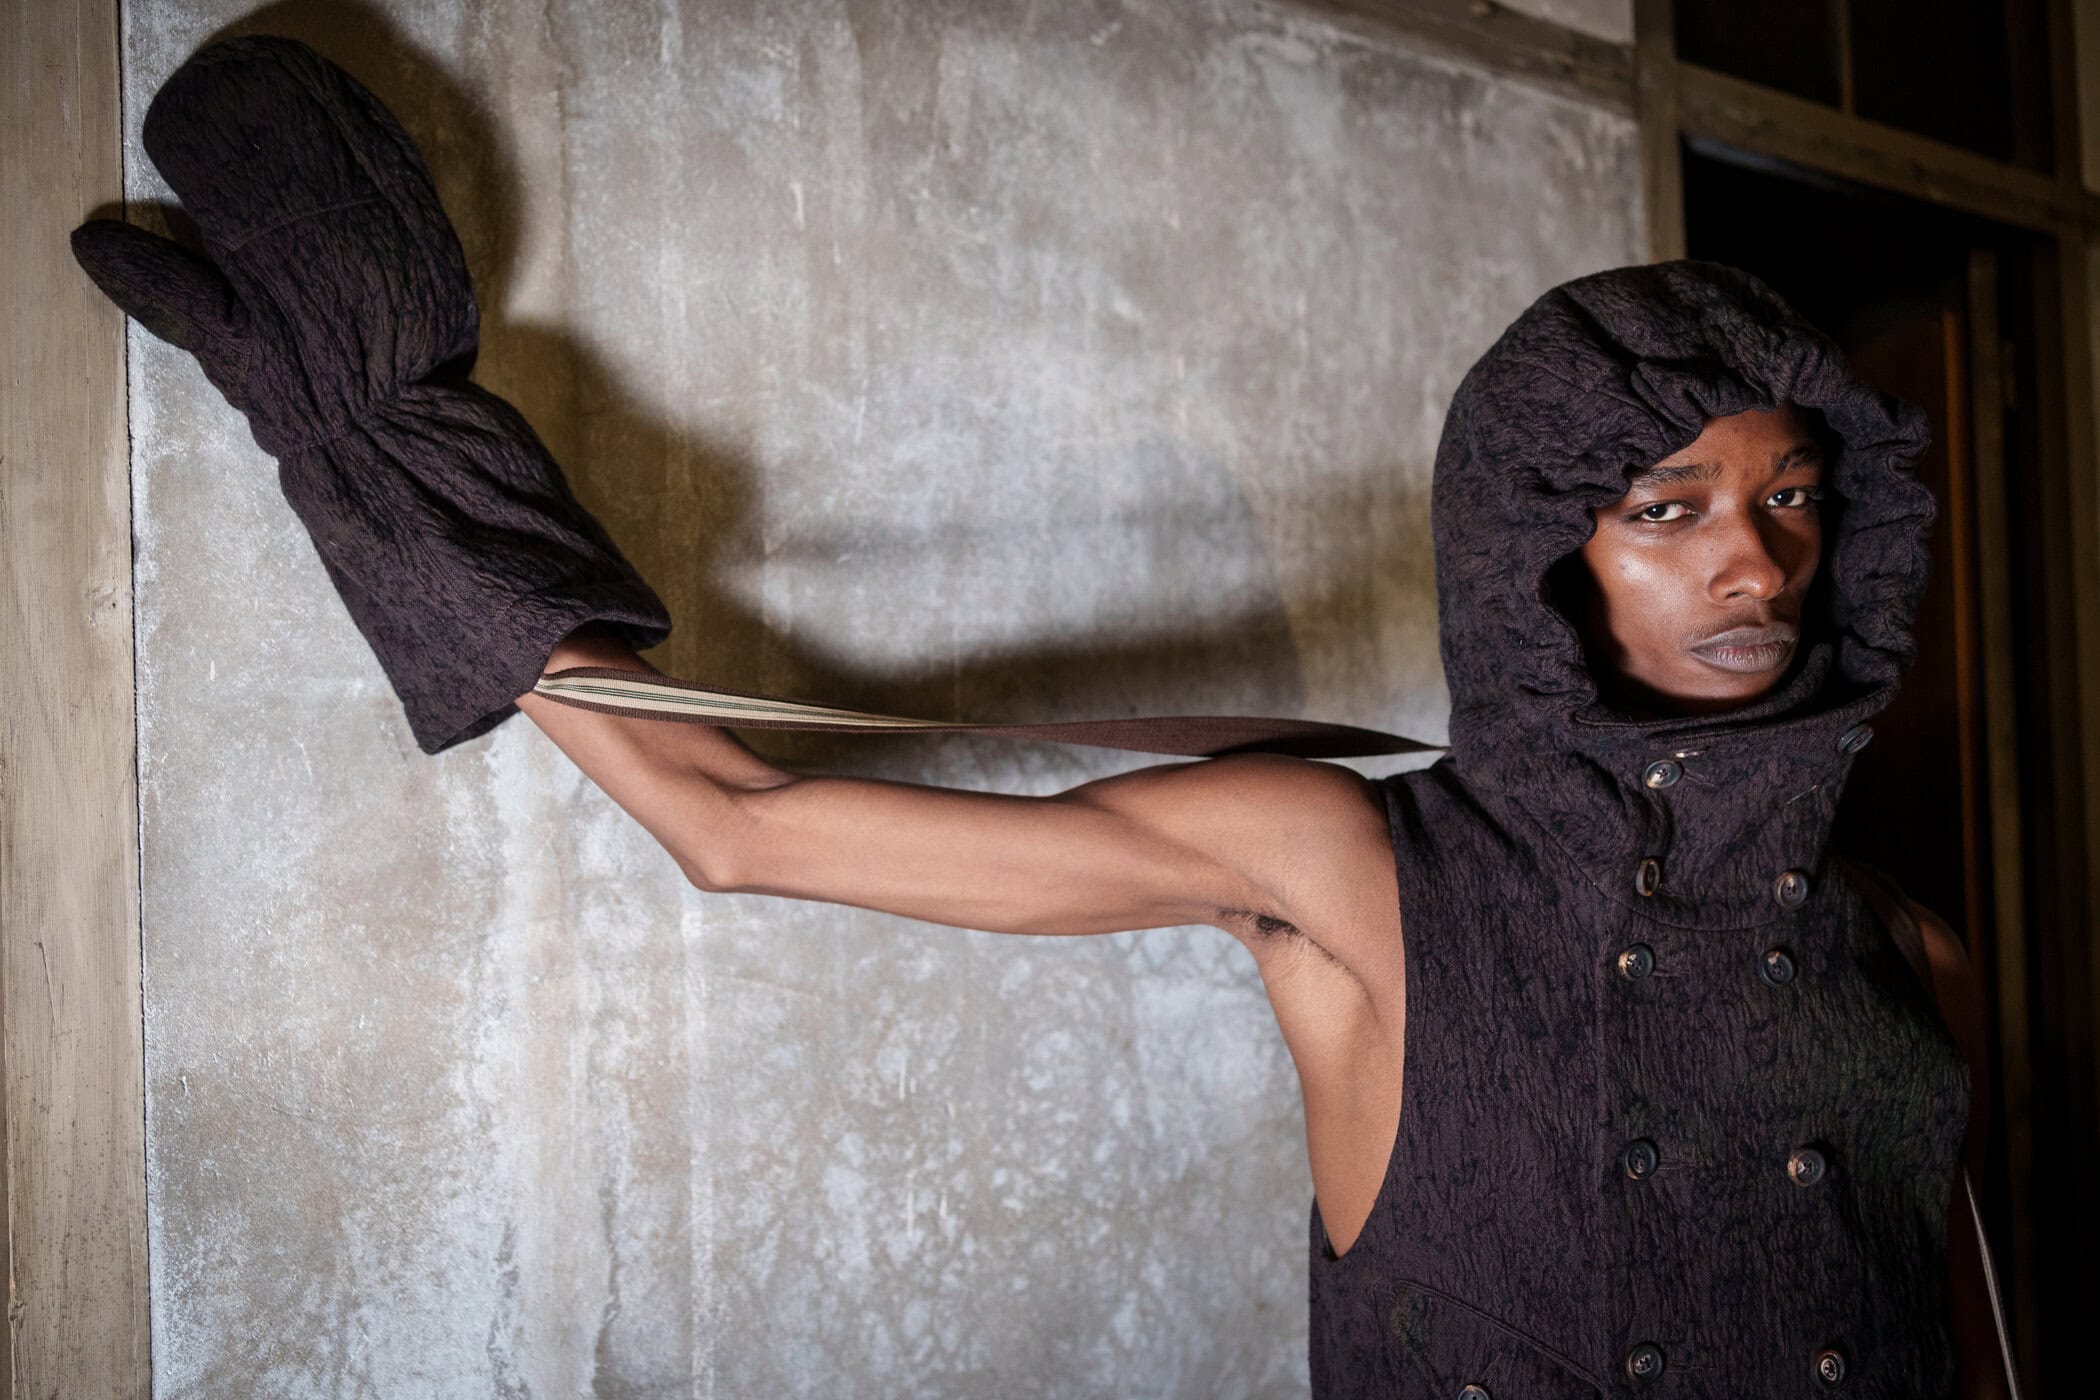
{"x":1720,"y":822}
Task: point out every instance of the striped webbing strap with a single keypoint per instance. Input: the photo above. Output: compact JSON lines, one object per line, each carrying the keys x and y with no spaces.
{"x":651,"y":695}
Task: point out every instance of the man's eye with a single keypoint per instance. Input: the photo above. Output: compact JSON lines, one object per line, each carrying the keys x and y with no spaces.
{"x":1810,"y":495}
{"x":1647,"y":513}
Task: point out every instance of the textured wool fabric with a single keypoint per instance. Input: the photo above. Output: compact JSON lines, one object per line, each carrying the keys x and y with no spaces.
{"x":1598,"y":1185}
{"x":332,"y":306}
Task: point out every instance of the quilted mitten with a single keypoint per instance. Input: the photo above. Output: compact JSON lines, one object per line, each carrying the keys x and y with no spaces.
{"x":332,"y":306}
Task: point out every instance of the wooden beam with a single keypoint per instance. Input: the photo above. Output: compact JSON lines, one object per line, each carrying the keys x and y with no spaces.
{"x":1655,"y":103}
{"x":2069,"y":89}
{"x":1671,"y":97}
{"x":69,"y":876}
{"x":1739,"y":113}
{"x":1560,"y":60}
{"x":2009,"y":947}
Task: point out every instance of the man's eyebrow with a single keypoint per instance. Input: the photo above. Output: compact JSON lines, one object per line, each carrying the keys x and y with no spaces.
{"x":1800,"y":454}
{"x":1670,"y":476}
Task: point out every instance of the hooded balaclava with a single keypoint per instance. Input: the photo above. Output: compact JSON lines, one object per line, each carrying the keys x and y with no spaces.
{"x":1675,"y":1111}
{"x":1603,"y":375}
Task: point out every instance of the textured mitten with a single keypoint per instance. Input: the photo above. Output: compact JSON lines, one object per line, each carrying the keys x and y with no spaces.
{"x":332,"y":306}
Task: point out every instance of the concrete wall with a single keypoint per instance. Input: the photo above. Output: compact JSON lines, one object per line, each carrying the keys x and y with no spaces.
{"x":991,"y":360}
{"x":1610,"y":20}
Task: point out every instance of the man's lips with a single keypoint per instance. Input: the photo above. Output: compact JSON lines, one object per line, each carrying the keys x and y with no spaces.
{"x":1749,"y":649}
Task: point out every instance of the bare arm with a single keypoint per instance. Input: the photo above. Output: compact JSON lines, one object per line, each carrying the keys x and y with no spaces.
{"x":1198,"y":842}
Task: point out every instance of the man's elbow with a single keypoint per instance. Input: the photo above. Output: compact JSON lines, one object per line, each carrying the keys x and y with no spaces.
{"x":715,"y":860}
{"x":722,"y":855}
{"x":710,"y":875}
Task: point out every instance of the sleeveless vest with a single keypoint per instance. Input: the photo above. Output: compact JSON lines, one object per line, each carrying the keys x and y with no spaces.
{"x":1637,"y":1156}
{"x":1678,"y":1117}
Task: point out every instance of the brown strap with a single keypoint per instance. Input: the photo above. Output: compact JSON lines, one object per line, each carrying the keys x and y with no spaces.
{"x":649,"y":695}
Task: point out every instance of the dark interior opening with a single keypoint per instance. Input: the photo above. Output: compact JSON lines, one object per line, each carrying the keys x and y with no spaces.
{"x":1950,"y":311}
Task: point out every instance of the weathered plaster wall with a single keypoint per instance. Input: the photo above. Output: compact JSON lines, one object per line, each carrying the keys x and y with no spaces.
{"x":1611,"y":20}
{"x":987,"y":360}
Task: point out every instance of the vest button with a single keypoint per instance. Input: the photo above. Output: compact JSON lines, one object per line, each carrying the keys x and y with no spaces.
{"x":1475,"y":1392}
{"x":1791,"y":889}
{"x":1637,"y":961}
{"x":1805,"y":1166}
{"x":1830,"y":1365}
{"x":1648,"y":876}
{"x":1776,"y":967}
{"x":1638,"y":1157}
{"x":1662,"y":773}
{"x":1855,"y":738}
{"x":1645,"y":1362}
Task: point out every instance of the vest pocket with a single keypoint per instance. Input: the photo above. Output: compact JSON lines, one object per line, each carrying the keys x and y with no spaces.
{"x":1442,"y":1345}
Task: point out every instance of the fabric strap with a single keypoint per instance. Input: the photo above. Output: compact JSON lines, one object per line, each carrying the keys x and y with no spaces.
{"x":650,"y":695}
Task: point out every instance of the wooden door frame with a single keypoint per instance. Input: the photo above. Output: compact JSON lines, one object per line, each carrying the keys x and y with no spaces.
{"x":1675,"y":100}
{"x":73,"y":1049}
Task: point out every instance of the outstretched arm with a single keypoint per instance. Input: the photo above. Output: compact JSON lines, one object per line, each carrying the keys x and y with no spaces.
{"x":1199,"y":842}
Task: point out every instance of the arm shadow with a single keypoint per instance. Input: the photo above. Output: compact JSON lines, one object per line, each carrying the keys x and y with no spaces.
{"x":683,"y":504}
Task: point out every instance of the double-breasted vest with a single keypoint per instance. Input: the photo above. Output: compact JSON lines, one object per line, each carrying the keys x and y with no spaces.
{"x":1678,"y":1117}
{"x":1643,"y":1157}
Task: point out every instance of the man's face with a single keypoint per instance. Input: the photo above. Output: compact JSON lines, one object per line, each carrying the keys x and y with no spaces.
{"x":1700,"y":571}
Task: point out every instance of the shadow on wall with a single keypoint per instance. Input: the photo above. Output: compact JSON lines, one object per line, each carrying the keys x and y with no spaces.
{"x":1161,"y":659}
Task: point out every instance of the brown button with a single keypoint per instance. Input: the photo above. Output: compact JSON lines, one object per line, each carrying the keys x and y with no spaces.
{"x":1805,"y":1166}
{"x":1637,"y":961}
{"x":1645,"y":1362}
{"x":1648,"y":876}
{"x":1830,"y":1365}
{"x":1791,"y":888}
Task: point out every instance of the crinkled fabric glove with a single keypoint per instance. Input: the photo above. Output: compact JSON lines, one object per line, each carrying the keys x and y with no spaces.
{"x":334,"y":309}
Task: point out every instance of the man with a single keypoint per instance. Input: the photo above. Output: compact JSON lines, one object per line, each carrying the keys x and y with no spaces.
{"x":1611,"y":1071}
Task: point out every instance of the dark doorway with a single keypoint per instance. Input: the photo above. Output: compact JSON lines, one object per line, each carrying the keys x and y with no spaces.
{"x":1888,"y":279}
{"x":1938,"y":307}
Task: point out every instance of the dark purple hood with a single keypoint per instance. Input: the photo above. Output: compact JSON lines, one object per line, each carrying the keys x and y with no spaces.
{"x":1602,"y":374}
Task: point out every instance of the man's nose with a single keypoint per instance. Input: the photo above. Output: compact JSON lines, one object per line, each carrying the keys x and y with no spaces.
{"x":1750,"y":559}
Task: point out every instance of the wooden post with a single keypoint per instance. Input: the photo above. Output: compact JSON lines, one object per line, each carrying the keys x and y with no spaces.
{"x":69,"y":873}
{"x":1655,"y":104}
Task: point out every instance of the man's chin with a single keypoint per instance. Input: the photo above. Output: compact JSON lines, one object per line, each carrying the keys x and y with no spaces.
{"x":1694,"y":690}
